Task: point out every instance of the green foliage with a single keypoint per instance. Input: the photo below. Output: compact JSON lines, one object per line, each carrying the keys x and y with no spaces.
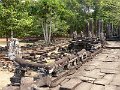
{"x":26,"y":17}
{"x":14,"y":17}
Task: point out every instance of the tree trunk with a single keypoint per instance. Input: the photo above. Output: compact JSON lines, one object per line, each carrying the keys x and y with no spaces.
{"x":7,"y":38}
{"x":11,"y":33}
{"x":46,"y":29}
{"x":50,"y":31}
{"x":43,"y":27}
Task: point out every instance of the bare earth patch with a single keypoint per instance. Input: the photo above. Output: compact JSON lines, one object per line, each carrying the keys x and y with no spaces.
{"x":4,"y":78}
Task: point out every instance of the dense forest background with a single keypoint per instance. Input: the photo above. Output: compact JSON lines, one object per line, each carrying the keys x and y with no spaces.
{"x":26,"y":18}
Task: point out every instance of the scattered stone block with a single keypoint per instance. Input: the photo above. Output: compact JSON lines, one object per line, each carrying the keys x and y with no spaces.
{"x":26,"y":83}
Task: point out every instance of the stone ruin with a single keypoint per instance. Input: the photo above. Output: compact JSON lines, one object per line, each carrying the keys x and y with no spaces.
{"x":14,"y":48}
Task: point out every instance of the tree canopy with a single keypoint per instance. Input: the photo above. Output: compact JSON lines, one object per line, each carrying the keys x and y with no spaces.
{"x":54,"y":17}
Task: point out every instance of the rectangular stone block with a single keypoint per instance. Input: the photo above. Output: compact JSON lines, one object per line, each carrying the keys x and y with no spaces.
{"x":110,"y":87}
{"x":84,"y":86}
{"x":116,"y":80}
{"x":108,"y":65}
{"x":11,"y":88}
{"x":93,"y":74}
{"x":105,"y":80}
{"x":71,"y":84}
{"x":26,"y":83}
{"x":110,"y":71}
{"x":97,"y":87}
{"x":55,"y":88}
{"x":86,"y":79}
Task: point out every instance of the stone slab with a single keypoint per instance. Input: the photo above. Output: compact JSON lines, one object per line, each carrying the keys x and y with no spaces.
{"x":116,"y":80}
{"x":93,"y":74}
{"x":108,"y":65}
{"x":66,"y":80}
{"x":117,"y":88}
{"x":89,"y":68}
{"x":11,"y":88}
{"x":109,"y":71}
{"x":55,"y":88}
{"x":34,"y":87}
{"x":105,"y":80}
{"x":110,"y":87}
{"x":26,"y":83}
{"x":93,"y":63}
{"x":84,"y":86}
{"x":86,"y":79}
{"x":71,"y":84}
{"x":97,"y":87}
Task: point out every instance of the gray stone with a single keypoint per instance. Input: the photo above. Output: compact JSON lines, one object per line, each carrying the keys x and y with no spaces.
{"x":34,"y":87}
{"x":11,"y":88}
{"x":110,"y":87}
{"x":110,"y":71}
{"x":117,"y":88}
{"x":55,"y":88}
{"x":93,"y":63}
{"x":71,"y":84}
{"x":116,"y":80}
{"x":66,"y":80}
{"x":84,"y":86}
{"x":105,"y":80}
{"x":108,"y":65}
{"x":97,"y":87}
{"x":93,"y":74}
{"x":26,"y":83}
{"x":89,"y":68}
{"x":86,"y":79}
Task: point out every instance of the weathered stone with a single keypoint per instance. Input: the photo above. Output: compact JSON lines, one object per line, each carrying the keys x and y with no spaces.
{"x":55,"y":88}
{"x":89,"y":68}
{"x":26,"y":83}
{"x":11,"y":88}
{"x":110,"y":87}
{"x":66,"y":80}
{"x":93,"y":63}
{"x":110,"y":71}
{"x":71,"y":84}
{"x":100,"y":57}
{"x":105,"y":80}
{"x":97,"y":87}
{"x":58,"y":82}
{"x":116,"y":80}
{"x":117,"y":88}
{"x":108,"y":65}
{"x":84,"y":86}
{"x":35,"y":87}
{"x":113,"y":44}
{"x":93,"y":74}
{"x":86,"y":79}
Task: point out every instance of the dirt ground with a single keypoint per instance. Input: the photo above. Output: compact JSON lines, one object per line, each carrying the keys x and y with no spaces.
{"x":4,"y":78}
{"x":3,"y":42}
{"x":4,"y":74}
